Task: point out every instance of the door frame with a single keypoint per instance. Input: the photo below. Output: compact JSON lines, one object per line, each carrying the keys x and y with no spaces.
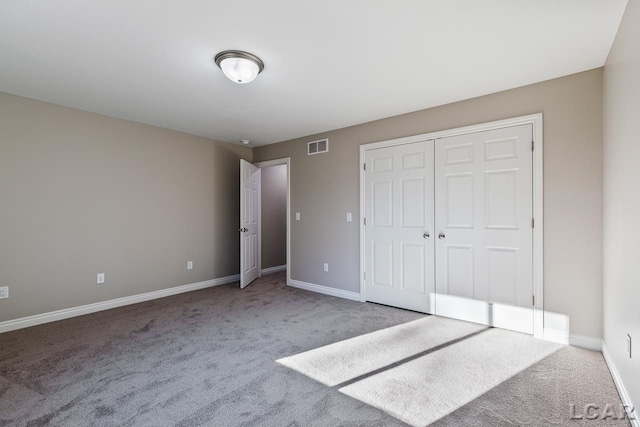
{"x":283,"y":161}
{"x":538,"y":255}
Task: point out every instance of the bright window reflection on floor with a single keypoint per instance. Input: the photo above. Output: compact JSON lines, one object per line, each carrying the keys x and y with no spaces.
{"x":343,"y":361}
{"x":423,"y":370}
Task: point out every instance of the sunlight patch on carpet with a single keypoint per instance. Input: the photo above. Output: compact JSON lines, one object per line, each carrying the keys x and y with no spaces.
{"x":424,"y":390}
{"x":420,"y":371}
{"x":342,"y":361}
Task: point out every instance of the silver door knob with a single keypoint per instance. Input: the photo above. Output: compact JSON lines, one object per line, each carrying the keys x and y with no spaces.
{"x":426,"y":235}
{"x":243,"y":230}
{"x":441,"y":236}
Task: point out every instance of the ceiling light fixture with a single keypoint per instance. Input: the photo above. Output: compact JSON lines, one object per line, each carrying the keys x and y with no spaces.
{"x":245,"y":141}
{"x":240,"y":67}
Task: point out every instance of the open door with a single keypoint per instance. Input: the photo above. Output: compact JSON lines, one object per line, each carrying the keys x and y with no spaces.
{"x":249,"y":223}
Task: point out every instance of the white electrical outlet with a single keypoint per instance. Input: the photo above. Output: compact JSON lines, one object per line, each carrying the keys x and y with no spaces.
{"x":297,"y":216}
{"x":326,"y":267}
{"x":189,"y":265}
{"x":629,"y":345}
{"x":100,"y":278}
{"x":4,"y":292}
{"x":349,"y":217}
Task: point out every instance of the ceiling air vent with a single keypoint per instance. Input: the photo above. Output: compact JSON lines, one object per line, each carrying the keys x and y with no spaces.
{"x":317,"y":147}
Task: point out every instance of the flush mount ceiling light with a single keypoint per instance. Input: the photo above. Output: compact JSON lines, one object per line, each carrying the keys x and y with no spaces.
{"x":240,"y":67}
{"x":245,"y":141}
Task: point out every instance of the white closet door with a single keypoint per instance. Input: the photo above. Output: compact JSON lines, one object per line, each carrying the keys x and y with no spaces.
{"x":484,"y":262}
{"x":399,"y":226}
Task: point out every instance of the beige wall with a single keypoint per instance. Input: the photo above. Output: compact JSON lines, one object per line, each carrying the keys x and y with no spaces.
{"x":82,"y":193}
{"x":274,"y":216}
{"x":326,"y":186}
{"x":622,"y":200}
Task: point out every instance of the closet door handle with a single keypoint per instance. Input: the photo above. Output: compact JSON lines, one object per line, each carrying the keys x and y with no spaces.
{"x":426,"y":235}
{"x":441,"y":236}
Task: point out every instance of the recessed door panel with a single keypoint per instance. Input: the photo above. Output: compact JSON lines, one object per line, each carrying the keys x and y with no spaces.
{"x":382,"y":199}
{"x":459,"y":203}
{"x":246,"y":217}
{"x":413,"y":267}
{"x":459,"y":273}
{"x":413,"y":160}
{"x":247,"y":253}
{"x":254,"y":251}
{"x":500,"y":149}
{"x":383,"y":264}
{"x":456,"y":154}
{"x":503,"y":275}
{"x":254,"y":205}
{"x":501,"y":199}
{"x":382,"y":164}
{"x":413,"y":203}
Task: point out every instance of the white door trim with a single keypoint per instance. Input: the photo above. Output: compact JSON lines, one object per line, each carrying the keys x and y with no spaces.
{"x":538,"y":256}
{"x":276,"y":162}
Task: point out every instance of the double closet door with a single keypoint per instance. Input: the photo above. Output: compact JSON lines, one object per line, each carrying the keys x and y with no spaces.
{"x":449,"y":227}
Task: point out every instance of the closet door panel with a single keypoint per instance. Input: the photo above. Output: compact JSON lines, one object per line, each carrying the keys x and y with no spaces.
{"x":483,"y":211}
{"x":399,"y":251}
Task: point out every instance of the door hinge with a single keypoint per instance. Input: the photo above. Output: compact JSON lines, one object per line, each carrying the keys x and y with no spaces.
{"x":364,"y":166}
{"x":533,"y":300}
{"x":365,"y":275}
{"x":365,"y":221}
{"x":533,"y":222}
{"x":532,"y":145}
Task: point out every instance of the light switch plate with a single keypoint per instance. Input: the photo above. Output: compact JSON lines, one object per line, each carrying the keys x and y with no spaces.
{"x":4,"y":292}
{"x":349,"y":218}
{"x":297,"y":216}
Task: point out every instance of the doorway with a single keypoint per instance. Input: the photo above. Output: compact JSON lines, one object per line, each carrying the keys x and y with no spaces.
{"x":270,"y":205}
{"x":273,"y":237}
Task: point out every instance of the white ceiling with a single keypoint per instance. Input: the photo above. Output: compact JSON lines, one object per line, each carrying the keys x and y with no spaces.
{"x":328,"y":64}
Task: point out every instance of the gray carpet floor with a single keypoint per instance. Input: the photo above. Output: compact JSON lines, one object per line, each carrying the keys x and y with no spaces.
{"x":209,"y":358}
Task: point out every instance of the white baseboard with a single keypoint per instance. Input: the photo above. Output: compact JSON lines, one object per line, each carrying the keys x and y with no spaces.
{"x":626,"y":400}
{"x":562,"y":337}
{"x":52,"y":316}
{"x":321,"y":289}
{"x":275,"y":269}
{"x":583,"y":341}
{"x":553,"y":335}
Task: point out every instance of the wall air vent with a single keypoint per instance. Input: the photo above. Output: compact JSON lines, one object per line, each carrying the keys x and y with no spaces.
{"x":317,"y":147}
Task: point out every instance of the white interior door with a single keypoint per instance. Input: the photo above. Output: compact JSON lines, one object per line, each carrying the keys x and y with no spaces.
{"x":249,"y":223}
{"x":399,"y":217}
{"x":483,"y":203}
